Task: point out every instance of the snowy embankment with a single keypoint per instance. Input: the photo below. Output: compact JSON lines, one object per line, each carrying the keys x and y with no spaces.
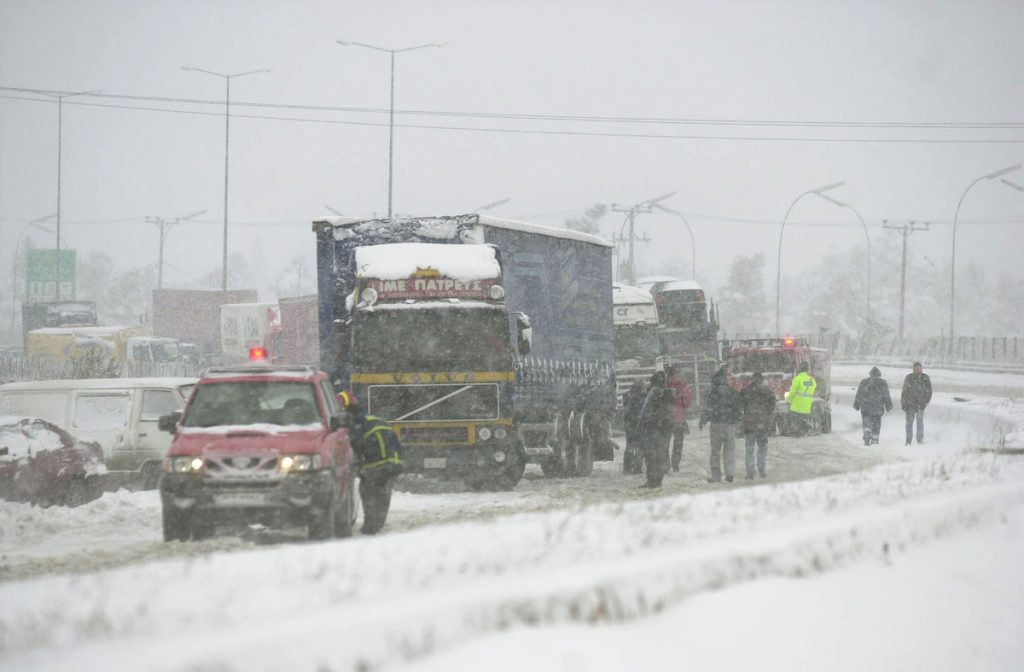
{"x":397,"y":597}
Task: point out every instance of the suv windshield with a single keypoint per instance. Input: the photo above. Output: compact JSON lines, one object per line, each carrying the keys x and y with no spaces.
{"x":252,"y":403}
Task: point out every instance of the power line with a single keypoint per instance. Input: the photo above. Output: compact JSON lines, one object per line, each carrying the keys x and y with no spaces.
{"x":528,"y":131}
{"x":560,"y":117}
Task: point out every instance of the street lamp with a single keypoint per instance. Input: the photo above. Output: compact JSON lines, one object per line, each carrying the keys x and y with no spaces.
{"x":782,"y":229}
{"x":14,"y":263}
{"x":60,"y":123}
{"x":952,"y":263}
{"x":391,"y":116}
{"x":227,"y":135}
{"x":631,"y":211}
{"x":165,"y":226}
{"x":867,"y":239}
{"x":693,"y":245}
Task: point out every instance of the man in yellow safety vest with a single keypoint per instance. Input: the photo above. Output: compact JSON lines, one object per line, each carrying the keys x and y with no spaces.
{"x":801,"y":400}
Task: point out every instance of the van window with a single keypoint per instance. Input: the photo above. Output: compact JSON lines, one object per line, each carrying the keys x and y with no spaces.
{"x":101,"y":411}
{"x":51,"y":406}
{"x":156,"y":403}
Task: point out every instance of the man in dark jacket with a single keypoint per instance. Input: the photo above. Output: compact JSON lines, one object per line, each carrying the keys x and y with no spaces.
{"x":917,"y":392}
{"x":378,"y":454}
{"x":758,"y":416}
{"x":872,"y":401}
{"x":632,"y":400}
{"x":655,"y":423}
{"x":682,"y":400}
{"x":723,"y":410}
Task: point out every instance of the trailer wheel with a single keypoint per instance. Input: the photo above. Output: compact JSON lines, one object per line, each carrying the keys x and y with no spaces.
{"x":585,"y":457}
{"x":558,"y":464}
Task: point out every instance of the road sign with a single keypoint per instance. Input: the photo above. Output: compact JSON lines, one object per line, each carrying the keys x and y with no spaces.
{"x":41,"y":273}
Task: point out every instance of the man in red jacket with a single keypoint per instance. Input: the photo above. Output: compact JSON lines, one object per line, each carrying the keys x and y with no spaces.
{"x":681,"y":402}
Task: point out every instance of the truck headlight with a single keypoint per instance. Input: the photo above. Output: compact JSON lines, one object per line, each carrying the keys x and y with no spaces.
{"x":300,"y":462}
{"x":500,"y":433}
{"x":185,"y":465}
{"x":483,"y":433}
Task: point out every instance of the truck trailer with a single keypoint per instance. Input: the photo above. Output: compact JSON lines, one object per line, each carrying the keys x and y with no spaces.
{"x":486,"y":343}
{"x":637,"y":342}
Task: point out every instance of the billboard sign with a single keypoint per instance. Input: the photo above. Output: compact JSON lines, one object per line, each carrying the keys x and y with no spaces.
{"x":41,"y":275}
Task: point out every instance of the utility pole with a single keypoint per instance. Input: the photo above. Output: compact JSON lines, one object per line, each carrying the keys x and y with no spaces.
{"x":165,"y":226}
{"x":905,"y":230}
{"x":643,"y":208}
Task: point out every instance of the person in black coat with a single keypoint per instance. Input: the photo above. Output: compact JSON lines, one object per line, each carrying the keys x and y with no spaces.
{"x":723,"y":410}
{"x":378,"y":455}
{"x":758,"y":418}
{"x":632,"y":400}
{"x":655,"y":426}
{"x":916,"y":393}
{"x":872,"y":401}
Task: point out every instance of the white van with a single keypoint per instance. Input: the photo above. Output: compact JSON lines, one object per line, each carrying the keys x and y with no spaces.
{"x":120,"y":414}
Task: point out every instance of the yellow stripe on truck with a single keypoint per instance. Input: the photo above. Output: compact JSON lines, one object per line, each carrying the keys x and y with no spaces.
{"x":413,"y":378}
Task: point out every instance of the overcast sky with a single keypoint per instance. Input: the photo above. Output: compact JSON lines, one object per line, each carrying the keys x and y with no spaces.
{"x":877,"y":63}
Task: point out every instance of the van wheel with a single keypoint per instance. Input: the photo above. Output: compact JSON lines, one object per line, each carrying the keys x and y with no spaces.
{"x":175,"y":525}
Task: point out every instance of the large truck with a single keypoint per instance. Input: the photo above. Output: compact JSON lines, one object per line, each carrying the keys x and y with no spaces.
{"x":689,"y":329}
{"x":298,"y":341}
{"x":193,"y":316}
{"x":52,"y":314}
{"x":486,"y":343}
{"x":637,"y":343}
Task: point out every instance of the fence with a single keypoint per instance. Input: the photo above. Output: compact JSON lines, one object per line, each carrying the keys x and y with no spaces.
{"x":936,"y":350}
{"x":18,"y":368}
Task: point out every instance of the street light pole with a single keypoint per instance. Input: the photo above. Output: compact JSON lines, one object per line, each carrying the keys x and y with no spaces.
{"x":14,"y":262}
{"x":60,"y":132}
{"x":227,"y":143}
{"x":952,"y":262}
{"x":643,"y":207}
{"x":165,"y":226}
{"x":693,"y":245}
{"x":867,"y":240}
{"x":391,"y":109}
{"x":778,"y":263}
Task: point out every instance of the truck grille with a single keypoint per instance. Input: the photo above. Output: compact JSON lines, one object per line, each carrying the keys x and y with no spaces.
{"x":412,"y":435}
{"x":424,"y":403}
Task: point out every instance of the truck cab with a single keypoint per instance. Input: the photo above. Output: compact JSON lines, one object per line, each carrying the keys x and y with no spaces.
{"x":258,"y":443}
{"x":637,"y":342}
{"x":779,"y":360}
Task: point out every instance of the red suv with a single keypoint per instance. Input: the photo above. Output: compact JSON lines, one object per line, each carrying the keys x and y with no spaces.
{"x":258,"y":444}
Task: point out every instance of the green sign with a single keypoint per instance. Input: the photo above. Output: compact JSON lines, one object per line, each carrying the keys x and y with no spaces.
{"x":41,"y":275}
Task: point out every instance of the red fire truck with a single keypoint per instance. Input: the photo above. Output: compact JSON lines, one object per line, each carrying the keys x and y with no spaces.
{"x":778,"y":360}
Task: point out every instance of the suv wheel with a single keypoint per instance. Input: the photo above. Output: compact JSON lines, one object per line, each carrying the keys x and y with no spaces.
{"x":345,"y":513}
{"x":175,"y":525}
{"x":322,"y":520}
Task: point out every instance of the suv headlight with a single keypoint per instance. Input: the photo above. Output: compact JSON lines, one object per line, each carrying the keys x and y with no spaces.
{"x":185,"y":465}
{"x":483,"y":433}
{"x":301,"y":462}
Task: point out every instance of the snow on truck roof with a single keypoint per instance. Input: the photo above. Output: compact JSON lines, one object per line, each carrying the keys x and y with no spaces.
{"x":395,"y":261}
{"x":446,"y":226}
{"x":627,"y":295}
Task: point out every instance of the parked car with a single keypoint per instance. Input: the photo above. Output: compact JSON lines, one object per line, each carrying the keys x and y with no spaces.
{"x":45,"y":465}
{"x":259,"y":444}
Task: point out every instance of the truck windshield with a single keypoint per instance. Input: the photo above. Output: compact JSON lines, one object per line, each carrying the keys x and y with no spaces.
{"x":252,"y":403}
{"x":445,"y":338}
{"x":636,"y":342}
{"x":765,"y":362}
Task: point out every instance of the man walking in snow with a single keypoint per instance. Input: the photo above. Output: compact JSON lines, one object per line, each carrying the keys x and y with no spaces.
{"x":872,"y":401}
{"x":723,"y":411}
{"x":655,"y":422}
{"x":632,"y":401}
{"x":917,"y":392}
{"x":681,"y":402}
{"x":758,"y":415}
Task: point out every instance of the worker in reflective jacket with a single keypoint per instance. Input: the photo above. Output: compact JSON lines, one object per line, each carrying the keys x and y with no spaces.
{"x":378,"y":454}
{"x":801,"y":399}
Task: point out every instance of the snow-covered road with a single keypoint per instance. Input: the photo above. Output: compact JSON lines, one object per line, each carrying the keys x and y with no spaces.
{"x":841,"y":544}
